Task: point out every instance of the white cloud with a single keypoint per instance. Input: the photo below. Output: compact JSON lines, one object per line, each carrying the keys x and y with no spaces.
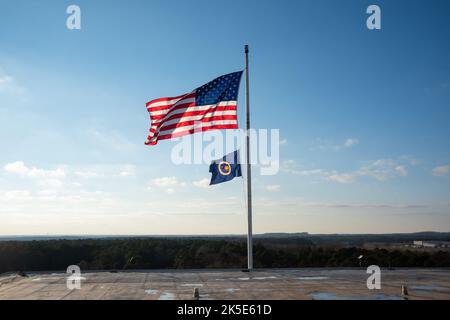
{"x":88,"y":174}
{"x":47,"y":193}
{"x":4,"y":80}
{"x":106,"y":171}
{"x":16,"y":167}
{"x":350,"y":142}
{"x":50,"y":183}
{"x":410,"y":160}
{"x":381,"y":170}
{"x":283,"y":142}
{"x":328,"y":145}
{"x":204,"y":183}
{"x":169,"y":184}
{"x":342,"y":177}
{"x":441,"y":171}
{"x":289,"y":163}
{"x":290,"y":166}
{"x":20,"y":168}
{"x":63,"y":176}
{"x":16,"y":194}
{"x":165,"y":181}
{"x":313,"y":172}
{"x":128,"y":171}
{"x":273,"y":188}
{"x":401,"y":170}
{"x":9,"y":85}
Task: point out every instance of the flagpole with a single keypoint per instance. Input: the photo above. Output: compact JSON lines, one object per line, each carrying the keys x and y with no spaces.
{"x":249,"y":168}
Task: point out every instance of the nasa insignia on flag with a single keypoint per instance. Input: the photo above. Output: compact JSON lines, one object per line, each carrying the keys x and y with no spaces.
{"x":225,"y":169}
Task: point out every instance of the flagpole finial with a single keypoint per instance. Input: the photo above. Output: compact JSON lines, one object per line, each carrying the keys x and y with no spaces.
{"x":246,"y":48}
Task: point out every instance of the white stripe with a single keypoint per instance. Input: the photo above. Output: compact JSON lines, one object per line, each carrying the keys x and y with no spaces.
{"x":193,"y":118}
{"x":170,"y":102}
{"x":198,"y":126}
{"x":189,"y":109}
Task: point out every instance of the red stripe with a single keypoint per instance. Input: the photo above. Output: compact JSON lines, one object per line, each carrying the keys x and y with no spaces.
{"x":196,"y":113}
{"x":172,"y":108}
{"x":191,"y":131}
{"x":181,"y":102}
{"x":152,"y":109}
{"x":184,"y":96}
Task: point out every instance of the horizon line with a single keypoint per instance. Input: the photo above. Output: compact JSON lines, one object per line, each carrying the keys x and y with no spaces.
{"x":215,"y":235}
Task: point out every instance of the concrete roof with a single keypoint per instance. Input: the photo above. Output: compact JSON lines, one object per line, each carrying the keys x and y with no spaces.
{"x":229,"y":284}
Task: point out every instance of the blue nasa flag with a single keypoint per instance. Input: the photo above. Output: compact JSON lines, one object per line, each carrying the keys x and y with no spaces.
{"x":225,"y":169}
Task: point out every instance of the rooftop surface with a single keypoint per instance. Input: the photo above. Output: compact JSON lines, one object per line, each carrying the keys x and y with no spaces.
{"x":278,"y":284}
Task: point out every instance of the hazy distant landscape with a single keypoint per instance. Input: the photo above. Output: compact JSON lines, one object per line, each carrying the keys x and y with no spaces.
{"x":355,"y":239}
{"x":279,"y":250}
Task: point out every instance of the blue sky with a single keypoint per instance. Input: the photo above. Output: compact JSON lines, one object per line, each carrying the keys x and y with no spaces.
{"x":364,"y":115}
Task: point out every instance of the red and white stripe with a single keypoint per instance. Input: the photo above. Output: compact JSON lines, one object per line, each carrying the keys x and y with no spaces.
{"x":179,"y":116}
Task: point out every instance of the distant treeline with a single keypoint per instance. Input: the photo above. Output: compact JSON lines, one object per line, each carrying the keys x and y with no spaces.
{"x":316,"y":239}
{"x":188,"y":253}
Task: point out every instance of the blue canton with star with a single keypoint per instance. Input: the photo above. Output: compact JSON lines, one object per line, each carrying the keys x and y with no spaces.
{"x":224,"y":88}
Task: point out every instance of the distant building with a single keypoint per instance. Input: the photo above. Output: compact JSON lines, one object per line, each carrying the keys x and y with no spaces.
{"x":431,"y":244}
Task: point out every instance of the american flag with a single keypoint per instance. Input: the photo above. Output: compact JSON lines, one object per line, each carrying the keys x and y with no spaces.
{"x":211,"y":106}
